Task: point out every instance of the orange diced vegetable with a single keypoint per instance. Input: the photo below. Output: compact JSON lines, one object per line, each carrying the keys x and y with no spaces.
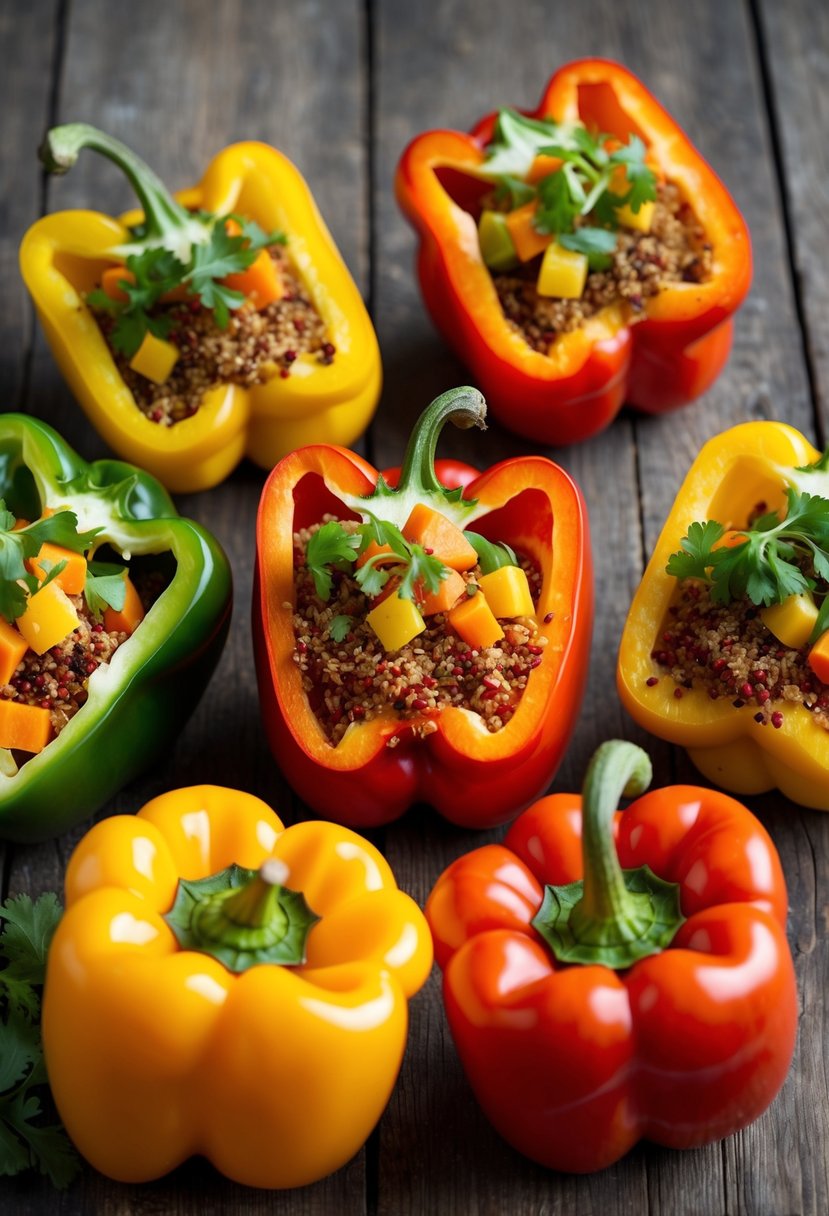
{"x":128,"y":618}
{"x":542,"y":166}
{"x":450,"y":591}
{"x":475,"y":622}
{"x":13,"y":647}
{"x":155,"y":359}
{"x":372,"y":549}
{"x":819,"y":658}
{"x":24,"y":727}
{"x":528,"y":241}
{"x":261,"y":282}
{"x":72,"y":577}
{"x":432,"y":530}
{"x":111,"y":281}
{"x":50,"y":616}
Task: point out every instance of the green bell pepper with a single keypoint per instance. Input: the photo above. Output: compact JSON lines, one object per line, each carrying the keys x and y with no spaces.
{"x":138,"y":702}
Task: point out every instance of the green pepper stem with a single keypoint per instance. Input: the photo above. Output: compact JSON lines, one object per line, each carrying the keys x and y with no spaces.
{"x":166,"y":222}
{"x":465,"y":407}
{"x":248,"y":916}
{"x":608,"y":910}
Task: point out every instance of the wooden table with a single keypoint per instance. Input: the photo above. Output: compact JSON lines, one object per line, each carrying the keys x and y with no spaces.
{"x":341,"y":88}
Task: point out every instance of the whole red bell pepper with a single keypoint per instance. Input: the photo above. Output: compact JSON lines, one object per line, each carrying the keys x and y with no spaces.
{"x":593,"y":1005}
{"x":381,"y":766}
{"x":577,"y":389}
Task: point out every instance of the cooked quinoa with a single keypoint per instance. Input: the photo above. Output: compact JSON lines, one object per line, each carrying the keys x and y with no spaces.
{"x":356,"y":679}
{"x":255,"y":347}
{"x":727,"y":650}
{"x":674,"y":251}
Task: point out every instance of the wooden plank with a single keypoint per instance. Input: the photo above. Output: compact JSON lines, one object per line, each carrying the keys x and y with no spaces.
{"x":177,"y":83}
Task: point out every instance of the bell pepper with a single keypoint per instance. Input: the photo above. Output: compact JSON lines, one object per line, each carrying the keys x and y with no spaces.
{"x":380,"y":767}
{"x":63,"y":255}
{"x":747,"y":464}
{"x":660,"y":363}
{"x":599,"y":993}
{"x":223,"y":986}
{"x":137,"y":703}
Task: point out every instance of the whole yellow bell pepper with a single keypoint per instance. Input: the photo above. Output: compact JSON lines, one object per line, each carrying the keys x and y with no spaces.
{"x":63,"y":255}
{"x":751,"y":463}
{"x":157,"y":1050}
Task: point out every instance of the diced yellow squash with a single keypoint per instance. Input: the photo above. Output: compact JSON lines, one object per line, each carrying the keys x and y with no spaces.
{"x":563,"y":273}
{"x":507,"y":592}
{"x":792,"y":621}
{"x":72,"y":577}
{"x":396,"y":621}
{"x":640,"y":220}
{"x":13,"y":647}
{"x":526,"y":238}
{"x":475,"y":622}
{"x":50,"y":616}
{"x":155,"y":359}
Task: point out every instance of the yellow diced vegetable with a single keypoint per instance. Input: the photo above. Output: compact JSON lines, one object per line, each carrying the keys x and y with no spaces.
{"x":50,"y":616}
{"x":507,"y":592}
{"x":155,"y":359}
{"x":396,"y":621}
{"x":792,"y":621}
{"x":563,"y":273}
{"x":474,"y":621}
{"x":640,"y":220}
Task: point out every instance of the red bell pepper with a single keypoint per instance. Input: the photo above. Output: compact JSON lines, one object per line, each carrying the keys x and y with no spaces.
{"x":619,"y":1005}
{"x":473,"y":777}
{"x":658,"y":364}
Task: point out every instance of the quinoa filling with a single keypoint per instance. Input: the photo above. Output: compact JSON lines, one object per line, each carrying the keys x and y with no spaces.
{"x":673,"y":251}
{"x":256,"y":346}
{"x":355,"y":680}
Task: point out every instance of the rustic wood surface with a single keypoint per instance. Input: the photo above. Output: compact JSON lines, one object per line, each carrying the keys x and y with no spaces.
{"x":341,"y":88}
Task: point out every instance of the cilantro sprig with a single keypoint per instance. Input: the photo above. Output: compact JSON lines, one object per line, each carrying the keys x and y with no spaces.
{"x":17,"y":545}
{"x":29,"y":1138}
{"x":334,"y":547}
{"x":774,"y":560}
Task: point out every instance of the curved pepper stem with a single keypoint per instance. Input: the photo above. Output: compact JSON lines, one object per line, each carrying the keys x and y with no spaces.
{"x":166,"y":223}
{"x":465,"y":407}
{"x":243,"y":917}
{"x":614,"y":916}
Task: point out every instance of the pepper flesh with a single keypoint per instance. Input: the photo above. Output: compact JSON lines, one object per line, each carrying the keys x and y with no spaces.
{"x":471,"y":776}
{"x":155,"y":1053}
{"x":658,"y":364}
{"x":62,"y":257}
{"x":139,"y":702}
{"x":574,"y":1064}
{"x":747,"y":464}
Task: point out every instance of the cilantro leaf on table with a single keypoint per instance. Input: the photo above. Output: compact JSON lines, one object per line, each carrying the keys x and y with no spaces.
{"x":330,"y":547}
{"x":25,"y":1140}
{"x":17,"y":545}
{"x":105,"y":587}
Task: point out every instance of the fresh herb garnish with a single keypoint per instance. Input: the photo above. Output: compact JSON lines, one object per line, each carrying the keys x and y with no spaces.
{"x":598,"y":243}
{"x":16,"y":582}
{"x":330,"y":548}
{"x":492,"y":554}
{"x":417,"y":570}
{"x":25,"y":1141}
{"x":767,"y":566}
{"x":340,"y":626}
{"x":105,"y":587}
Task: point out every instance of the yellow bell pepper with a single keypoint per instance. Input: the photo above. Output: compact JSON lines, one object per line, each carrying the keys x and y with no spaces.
{"x":63,"y":256}
{"x":156,"y":1051}
{"x":749,"y":464}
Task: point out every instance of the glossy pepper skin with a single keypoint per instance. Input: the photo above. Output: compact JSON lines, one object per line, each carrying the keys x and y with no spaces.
{"x":277,"y":1074}
{"x":62,"y":256}
{"x":747,"y":464}
{"x":573,"y":1064}
{"x":137,"y":703}
{"x":658,"y":364}
{"x":470,"y":776}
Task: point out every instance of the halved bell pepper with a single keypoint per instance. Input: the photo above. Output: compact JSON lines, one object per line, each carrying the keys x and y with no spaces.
{"x":599,"y":992}
{"x":138,"y":703}
{"x":193,"y":1005}
{"x":746,"y":465}
{"x":578,"y":388}
{"x":380,"y":767}
{"x":63,"y":255}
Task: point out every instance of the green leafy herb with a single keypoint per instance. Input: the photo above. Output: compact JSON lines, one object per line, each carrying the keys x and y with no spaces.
{"x":331,"y":547}
{"x":16,"y":582}
{"x":514,"y":191}
{"x":25,"y":1140}
{"x":340,"y":626}
{"x":768,"y":565}
{"x":597,"y":243}
{"x":105,"y":587}
{"x":492,"y":555}
{"x":408,"y":562}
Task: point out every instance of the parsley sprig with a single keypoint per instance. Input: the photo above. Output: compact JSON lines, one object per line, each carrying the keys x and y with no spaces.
{"x":16,"y":582}
{"x":27,"y":1140}
{"x":334,"y":547}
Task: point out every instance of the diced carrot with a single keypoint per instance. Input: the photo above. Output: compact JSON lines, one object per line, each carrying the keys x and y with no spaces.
{"x":730,"y":539}
{"x":474,"y":620}
{"x":542,"y":166}
{"x":128,"y":618}
{"x":819,"y":658}
{"x":450,"y":591}
{"x":25,"y":727}
{"x":372,"y":549}
{"x":260,"y":283}
{"x":429,"y":528}
{"x":20,"y":523}
{"x":13,"y":647}
{"x":111,"y":281}
{"x":526,"y":238}
{"x":72,"y":577}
